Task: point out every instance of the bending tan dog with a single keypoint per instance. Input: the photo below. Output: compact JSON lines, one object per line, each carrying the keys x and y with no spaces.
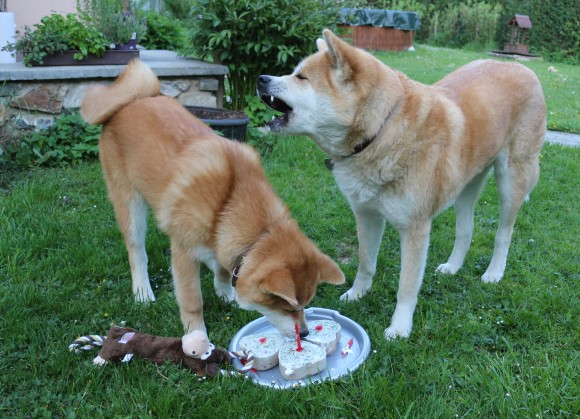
{"x":210,"y":195}
{"x":403,"y":151}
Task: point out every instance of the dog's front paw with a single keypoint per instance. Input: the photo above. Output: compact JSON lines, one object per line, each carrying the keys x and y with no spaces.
{"x":353,"y":294}
{"x":144,"y":295}
{"x":491,"y":277}
{"x":447,"y":268}
{"x":394,"y":332}
{"x":401,"y":323}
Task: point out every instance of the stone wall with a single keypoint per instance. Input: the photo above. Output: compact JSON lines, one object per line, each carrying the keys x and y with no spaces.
{"x":32,"y":98}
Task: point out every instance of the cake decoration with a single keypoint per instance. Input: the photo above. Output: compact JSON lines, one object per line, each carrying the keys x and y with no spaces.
{"x":347,"y":349}
{"x":324,"y":333}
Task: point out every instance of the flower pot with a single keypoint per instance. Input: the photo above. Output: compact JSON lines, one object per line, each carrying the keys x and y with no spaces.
{"x":230,"y":124}
{"x":110,"y":57}
{"x":7,"y":36}
{"x":131,"y":45}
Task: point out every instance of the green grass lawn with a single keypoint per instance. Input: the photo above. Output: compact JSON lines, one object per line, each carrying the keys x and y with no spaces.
{"x":477,"y":350}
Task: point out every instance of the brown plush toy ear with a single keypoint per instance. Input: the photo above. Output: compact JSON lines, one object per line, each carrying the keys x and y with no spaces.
{"x":218,"y":357}
{"x":211,"y":366}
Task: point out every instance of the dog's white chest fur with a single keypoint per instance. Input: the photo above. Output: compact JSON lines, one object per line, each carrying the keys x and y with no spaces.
{"x":363,"y":192}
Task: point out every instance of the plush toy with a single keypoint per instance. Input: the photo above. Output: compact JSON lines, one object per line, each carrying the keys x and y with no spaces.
{"x":194,"y":350}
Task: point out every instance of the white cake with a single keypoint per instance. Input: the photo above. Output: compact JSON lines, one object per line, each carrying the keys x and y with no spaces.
{"x":265,"y":347}
{"x":296,"y":365}
{"x":324,"y":333}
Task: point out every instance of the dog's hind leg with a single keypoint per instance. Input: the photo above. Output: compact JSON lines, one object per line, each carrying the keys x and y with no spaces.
{"x":515,"y":180}
{"x":135,"y":242}
{"x":131,"y":213}
{"x":185,"y":268}
{"x":414,"y":245}
{"x":464,"y":208}
{"x":370,"y":228}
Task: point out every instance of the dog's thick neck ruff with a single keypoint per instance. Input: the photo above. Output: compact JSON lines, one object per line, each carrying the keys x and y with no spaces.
{"x":360,"y":147}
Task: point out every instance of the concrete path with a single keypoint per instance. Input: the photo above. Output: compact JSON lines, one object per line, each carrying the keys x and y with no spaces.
{"x":563,"y":138}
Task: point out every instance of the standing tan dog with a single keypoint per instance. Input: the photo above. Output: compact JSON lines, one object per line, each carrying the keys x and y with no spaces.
{"x":403,"y":151}
{"x":211,"y":196}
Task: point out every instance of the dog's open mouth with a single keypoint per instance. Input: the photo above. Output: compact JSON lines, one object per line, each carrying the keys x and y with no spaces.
{"x":279,"y":106}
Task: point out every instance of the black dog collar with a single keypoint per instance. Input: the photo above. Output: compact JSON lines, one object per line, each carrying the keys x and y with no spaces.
{"x":359,"y":148}
{"x":236,"y":270}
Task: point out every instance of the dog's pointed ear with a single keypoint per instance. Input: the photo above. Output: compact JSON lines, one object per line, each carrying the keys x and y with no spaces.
{"x":339,"y":53}
{"x":329,"y":271}
{"x":330,"y":41}
{"x":280,"y":284}
{"x":321,"y":45}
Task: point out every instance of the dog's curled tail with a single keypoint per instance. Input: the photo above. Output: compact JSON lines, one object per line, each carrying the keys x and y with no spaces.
{"x":137,"y":81}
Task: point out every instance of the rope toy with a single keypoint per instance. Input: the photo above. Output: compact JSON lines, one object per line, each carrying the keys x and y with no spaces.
{"x":86,"y":343}
{"x":246,"y":359}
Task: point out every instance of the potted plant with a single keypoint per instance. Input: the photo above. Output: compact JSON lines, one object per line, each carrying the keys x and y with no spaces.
{"x":56,"y":35}
{"x":80,"y":38}
{"x":7,"y":32}
{"x":121,"y":27}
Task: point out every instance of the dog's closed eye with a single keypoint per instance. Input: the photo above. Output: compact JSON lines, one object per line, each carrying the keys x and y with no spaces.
{"x":301,"y":76}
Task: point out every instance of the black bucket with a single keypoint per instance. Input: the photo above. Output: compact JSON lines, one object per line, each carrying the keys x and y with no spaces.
{"x":229,"y":124}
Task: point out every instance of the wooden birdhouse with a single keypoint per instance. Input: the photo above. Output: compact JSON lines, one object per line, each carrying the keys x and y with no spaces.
{"x":519,"y":25}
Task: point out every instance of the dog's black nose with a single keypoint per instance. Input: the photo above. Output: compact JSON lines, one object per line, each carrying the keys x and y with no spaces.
{"x":304,"y":334}
{"x":263,"y":80}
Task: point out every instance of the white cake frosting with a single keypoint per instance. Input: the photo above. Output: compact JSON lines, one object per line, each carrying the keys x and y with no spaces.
{"x":324,"y":333}
{"x":265,"y":347}
{"x":295,"y":365}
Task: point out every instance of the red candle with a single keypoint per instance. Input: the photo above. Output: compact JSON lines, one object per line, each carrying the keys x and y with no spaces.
{"x":299,"y":347}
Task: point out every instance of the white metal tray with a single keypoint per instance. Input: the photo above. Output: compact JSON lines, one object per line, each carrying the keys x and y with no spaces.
{"x":336,"y":364}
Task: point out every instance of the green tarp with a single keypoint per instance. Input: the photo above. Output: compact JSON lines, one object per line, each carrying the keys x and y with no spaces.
{"x":406,"y":21}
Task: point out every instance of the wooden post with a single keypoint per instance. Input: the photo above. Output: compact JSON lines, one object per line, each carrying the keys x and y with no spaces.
{"x":513,"y":31}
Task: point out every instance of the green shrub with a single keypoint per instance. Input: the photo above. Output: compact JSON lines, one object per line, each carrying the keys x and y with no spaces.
{"x":69,"y":141}
{"x":557,"y":29}
{"x":253,"y":37}
{"x":258,"y":111}
{"x":163,"y":32}
{"x":469,"y":23}
{"x":179,"y":9}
